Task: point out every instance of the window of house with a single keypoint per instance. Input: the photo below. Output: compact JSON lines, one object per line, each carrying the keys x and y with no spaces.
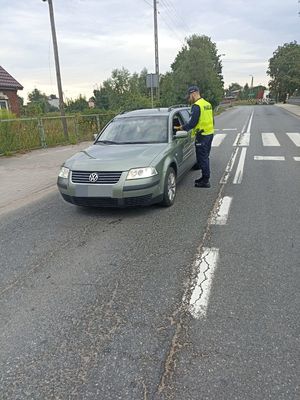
{"x":3,"y":105}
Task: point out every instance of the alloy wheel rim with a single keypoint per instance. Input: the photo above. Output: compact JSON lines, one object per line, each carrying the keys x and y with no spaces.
{"x":171,"y":186}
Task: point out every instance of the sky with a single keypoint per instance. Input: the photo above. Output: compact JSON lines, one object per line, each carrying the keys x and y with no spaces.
{"x":97,"y":36}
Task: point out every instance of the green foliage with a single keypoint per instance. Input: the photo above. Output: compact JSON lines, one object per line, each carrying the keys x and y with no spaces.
{"x":77,"y":105}
{"x":284,"y":70}
{"x":196,"y":64}
{"x":37,"y":104}
{"x":233,"y":87}
{"x":6,"y":114}
{"x":123,"y":91}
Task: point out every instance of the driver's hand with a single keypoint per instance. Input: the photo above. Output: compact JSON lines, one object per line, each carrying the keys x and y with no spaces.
{"x":178,"y":128}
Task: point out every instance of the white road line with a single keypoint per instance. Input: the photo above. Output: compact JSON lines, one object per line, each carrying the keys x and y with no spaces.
{"x":229,"y":129}
{"x":218,"y":139}
{"x":297,"y":158}
{"x":295,"y":137}
{"x":229,"y":166}
{"x":205,"y":264}
{"x":244,"y":140}
{"x":237,"y":139}
{"x":216,"y":129}
{"x":269,"y":158}
{"x":240,"y":168}
{"x":250,"y":122}
{"x":221,"y":217}
{"x":269,"y":139}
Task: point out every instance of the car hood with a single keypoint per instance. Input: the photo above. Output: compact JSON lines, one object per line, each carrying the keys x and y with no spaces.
{"x":110,"y":157}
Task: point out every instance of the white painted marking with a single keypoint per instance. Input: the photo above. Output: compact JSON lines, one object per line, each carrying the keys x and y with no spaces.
{"x":269,"y":139}
{"x":216,"y":129}
{"x":295,"y":137}
{"x":297,"y":158}
{"x":221,"y":217}
{"x":269,"y":158}
{"x":240,"y":168}
{"x":245,"y":139}
{"x":229,"y":166}
{"x":229,"y":129}
{"x":205,"y":264}
{"x":218,"y":139}
{"x":250,"y":122}
{"x":237,"y":139}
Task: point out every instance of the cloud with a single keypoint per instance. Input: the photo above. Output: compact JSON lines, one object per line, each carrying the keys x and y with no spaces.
{"x":95,"y":37}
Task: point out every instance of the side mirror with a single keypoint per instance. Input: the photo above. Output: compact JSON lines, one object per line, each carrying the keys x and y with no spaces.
{"x":95,"y":136}
{"x":181,"y":135}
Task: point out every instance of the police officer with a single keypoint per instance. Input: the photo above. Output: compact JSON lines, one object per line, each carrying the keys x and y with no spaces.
{"x":202,"y":124}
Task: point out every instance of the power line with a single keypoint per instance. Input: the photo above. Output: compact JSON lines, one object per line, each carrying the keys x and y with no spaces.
{"x":150,"y":5}
{"x":173,"y":14}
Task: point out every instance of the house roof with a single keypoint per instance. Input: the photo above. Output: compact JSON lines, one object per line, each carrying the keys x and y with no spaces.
{"x":7,"y":81}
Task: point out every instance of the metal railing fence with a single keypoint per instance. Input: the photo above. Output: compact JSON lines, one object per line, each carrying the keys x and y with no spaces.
{"x":33,"y":133}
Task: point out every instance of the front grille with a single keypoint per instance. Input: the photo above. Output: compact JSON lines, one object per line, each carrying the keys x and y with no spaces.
{"x":92,"y":201}
{"x":104,"y":178}
{"x":138,"y":201}
{"x":108,"y":201}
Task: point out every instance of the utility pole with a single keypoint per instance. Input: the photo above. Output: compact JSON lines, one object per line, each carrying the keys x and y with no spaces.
{"x":156,"y":46}
{"x":58,"y":77}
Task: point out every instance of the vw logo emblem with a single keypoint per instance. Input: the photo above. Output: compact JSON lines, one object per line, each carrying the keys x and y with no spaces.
{"x":93,"y":177}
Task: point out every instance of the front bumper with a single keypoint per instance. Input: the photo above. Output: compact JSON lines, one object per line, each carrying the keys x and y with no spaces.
{"x":124,"y":193}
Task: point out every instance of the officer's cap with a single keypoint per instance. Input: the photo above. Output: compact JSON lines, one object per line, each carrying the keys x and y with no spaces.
{"x":192,"y":89}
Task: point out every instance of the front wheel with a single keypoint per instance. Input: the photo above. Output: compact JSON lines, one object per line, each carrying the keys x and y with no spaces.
{"x":169,"y":188}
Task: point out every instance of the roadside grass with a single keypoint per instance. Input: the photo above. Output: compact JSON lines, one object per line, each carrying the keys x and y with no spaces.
{"x":24,"y":134}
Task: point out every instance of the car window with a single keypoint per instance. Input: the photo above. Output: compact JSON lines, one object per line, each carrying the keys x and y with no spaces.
{"x":185,"y":115}
{"x":177,"y":120}
{"x":136,"y":130}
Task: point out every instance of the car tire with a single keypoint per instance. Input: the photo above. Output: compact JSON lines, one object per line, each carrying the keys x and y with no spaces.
{"x":169,"y":188}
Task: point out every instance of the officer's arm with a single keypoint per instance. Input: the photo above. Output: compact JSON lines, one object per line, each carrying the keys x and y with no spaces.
{"x":193,"y":121}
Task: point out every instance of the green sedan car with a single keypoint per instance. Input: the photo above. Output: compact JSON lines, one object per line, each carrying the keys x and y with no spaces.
{"x":136,"y":160}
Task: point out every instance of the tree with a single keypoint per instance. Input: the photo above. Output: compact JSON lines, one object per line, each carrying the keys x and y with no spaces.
{"x":123,"y":91}
{"x":197,"y":63}
{"x":77,"y":105}
{"x":284,"y":70}
{"x":233,"y":88}
{"x":38,"y":103}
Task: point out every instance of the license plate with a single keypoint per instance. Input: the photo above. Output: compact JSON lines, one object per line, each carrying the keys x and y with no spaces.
{"x":93,"y":191}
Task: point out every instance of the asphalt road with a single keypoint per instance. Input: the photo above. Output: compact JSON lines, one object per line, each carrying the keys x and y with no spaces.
{"x":98,"y":304}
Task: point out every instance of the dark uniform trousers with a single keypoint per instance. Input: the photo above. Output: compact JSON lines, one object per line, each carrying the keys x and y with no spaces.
{"x":203,"y":147}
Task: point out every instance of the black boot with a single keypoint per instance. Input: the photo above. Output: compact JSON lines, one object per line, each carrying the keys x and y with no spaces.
{"x":198,"y":180}
{"x":202,"y":183}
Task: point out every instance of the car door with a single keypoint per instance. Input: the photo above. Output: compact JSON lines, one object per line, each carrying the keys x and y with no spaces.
{"x":182,"y":145}
{"x":189,"y":151}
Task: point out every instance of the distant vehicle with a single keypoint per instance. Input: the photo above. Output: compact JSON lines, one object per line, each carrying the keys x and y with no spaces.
{"x":136,"y":160}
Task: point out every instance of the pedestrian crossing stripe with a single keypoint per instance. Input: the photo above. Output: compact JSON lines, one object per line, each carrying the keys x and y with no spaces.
{"x":269,"y":139}
{"x":218,"y":139}
{"x":295,"y":137}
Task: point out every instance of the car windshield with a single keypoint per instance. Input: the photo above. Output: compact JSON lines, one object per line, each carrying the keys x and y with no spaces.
{"x":135,"y":130}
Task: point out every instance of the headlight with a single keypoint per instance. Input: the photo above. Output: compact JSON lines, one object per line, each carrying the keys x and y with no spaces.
{"x":138,"y":173}
{"x":64,"y":172}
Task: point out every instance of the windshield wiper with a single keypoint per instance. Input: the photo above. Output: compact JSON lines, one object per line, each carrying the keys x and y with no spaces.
{"x":107,"y":142}
{"x":135,"y":142}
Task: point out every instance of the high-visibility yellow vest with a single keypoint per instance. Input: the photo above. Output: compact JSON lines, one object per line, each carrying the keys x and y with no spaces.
{"x":206,"y":120}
